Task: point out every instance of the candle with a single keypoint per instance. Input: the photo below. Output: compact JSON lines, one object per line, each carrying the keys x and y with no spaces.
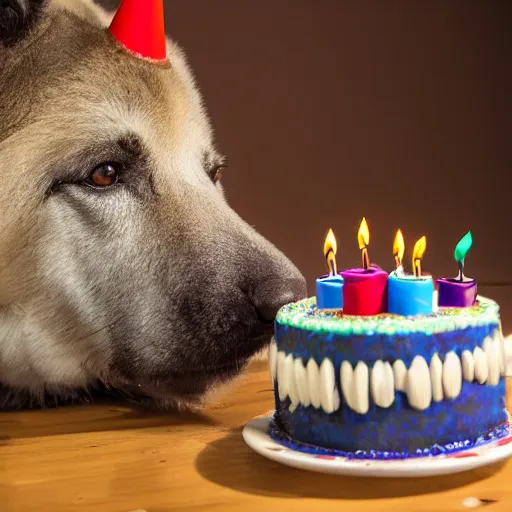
{"x":459,"y":292}
{"x":329,"y":288}
{"x":409,"y":295}
{"x":364,"y":290}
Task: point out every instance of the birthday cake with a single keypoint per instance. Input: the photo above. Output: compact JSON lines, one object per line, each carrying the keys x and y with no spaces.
{"x":388,"y":385}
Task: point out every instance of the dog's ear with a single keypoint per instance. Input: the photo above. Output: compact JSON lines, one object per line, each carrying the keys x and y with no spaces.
{"x":17,"y":18}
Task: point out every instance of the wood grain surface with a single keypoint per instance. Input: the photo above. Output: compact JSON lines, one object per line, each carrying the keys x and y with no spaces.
{"x":112,"y":457}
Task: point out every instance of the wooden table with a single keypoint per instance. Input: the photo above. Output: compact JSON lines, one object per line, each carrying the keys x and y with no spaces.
{"x":110,"y":457}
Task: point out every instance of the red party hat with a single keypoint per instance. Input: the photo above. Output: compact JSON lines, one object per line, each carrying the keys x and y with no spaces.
{"x":139,"y":26}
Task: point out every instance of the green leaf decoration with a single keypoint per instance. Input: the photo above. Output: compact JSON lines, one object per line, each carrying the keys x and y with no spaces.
{"x":463,"y":247}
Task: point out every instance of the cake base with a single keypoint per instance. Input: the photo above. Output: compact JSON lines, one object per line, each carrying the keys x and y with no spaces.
{"x":501,"y":431}
{"x":406,"y":385}
{"x":256,"y":435}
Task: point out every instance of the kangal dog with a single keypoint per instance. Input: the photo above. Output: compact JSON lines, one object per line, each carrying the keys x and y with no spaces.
{"x":121,"y":264}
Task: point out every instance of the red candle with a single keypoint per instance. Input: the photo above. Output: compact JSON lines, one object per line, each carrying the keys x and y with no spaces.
{"x":365,"y":289}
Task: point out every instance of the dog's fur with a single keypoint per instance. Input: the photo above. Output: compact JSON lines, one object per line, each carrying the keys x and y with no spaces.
{"x":153,"y":285}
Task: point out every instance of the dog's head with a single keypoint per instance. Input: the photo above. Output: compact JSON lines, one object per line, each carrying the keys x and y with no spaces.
{"x":120,"y":260}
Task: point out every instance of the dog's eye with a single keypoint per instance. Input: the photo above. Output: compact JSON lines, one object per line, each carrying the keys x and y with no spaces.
{"x":216,"y":172}
{"x":103,"y":176}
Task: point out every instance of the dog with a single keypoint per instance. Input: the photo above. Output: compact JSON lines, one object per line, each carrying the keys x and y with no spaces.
{"x":121,"y":263}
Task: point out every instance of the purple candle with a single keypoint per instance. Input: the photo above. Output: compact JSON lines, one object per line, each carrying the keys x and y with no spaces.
{"x":460,"y":291}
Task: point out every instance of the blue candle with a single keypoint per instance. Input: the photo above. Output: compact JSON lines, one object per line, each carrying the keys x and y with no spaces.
{"x":329,"y":288}
{"x":329,"y":292}
{"x":409,"y":295}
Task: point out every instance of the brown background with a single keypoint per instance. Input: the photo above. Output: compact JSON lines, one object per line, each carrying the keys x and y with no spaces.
{"x":330,"y":110}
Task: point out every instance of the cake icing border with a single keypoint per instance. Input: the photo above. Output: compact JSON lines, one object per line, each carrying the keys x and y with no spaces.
{"x":305,"y":315}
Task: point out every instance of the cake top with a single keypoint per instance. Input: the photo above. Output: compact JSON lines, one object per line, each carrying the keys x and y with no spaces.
{"x":305,"y":315}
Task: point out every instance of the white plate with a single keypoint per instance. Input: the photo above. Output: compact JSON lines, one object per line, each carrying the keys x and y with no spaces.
{"x":256,"y":435}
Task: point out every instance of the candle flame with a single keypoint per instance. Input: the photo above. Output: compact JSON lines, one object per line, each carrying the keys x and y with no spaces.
{"x":363,"y":235}
{"x":399,"y":248}
{"x":463,"y":247}
{"x":330,"y":249}
{"x":363,"y":238}
{"x":461,"y":251}
{"x":417,"y":255}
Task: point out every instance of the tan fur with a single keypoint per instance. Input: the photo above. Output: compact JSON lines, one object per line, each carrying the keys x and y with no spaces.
{"x":69,"y":89}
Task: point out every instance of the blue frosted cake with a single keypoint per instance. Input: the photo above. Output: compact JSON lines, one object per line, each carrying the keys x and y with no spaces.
{"x":388,"y":386}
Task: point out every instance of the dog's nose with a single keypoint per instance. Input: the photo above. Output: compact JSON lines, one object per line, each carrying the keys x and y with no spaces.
{"x":271,"y":294}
